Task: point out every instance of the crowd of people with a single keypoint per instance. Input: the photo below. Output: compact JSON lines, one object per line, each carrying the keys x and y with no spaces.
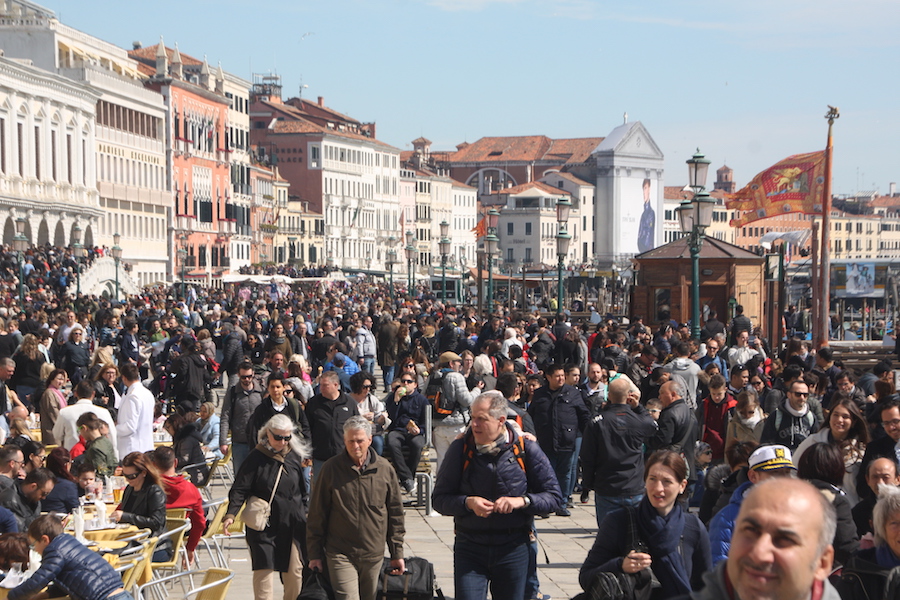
{"x":718,"y":464}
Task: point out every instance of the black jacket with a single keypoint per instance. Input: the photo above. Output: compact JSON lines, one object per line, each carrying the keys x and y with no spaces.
{"x":266,"y":410}
{"x":846,"y":541}
{"x":677,"y":431}
{"x":145,"y":508}
{"x":232,"y":353}
{"x":24,"y":510}
{"x":326,"y":423}
{"x":465,"y":473}
{"x":187,"y":444}
{"x":80,"y":571}
{"x":559,"y":417}
{"x":612,"y":452}
{"x":190,"y":374}
{"x":863,"y":578}
{"x":883,"y":446}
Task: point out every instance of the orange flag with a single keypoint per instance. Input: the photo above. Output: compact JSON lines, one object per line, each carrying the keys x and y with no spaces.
{"x":480,"y":228}
{"x":793,"y":185}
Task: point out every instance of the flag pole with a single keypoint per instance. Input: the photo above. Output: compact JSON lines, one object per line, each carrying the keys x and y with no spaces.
{"x":825,"y":253}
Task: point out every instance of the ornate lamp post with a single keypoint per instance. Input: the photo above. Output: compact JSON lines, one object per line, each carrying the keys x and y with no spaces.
{"x":491,"y":243}
{"x":20,"y":245}
{"x":444,"y":246}
{"x":76,"y":252}
{"x":563,"y":239}
{"x":695,"y":216}
{"x":117,"y":256}
{"x":410,"y":257}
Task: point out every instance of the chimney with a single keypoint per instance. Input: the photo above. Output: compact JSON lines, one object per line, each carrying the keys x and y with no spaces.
{"x":136,"y":45}
{"x":321,"y":101}
{"x":893,"y":189}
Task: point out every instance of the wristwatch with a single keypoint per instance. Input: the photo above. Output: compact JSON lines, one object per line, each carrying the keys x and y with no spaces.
{"x":527,"y":500}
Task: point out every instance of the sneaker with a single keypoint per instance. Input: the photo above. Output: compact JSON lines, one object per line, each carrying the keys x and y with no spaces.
{"x":540,"y":596}
{"x":410,"y":487}
{"x":563,"y":512}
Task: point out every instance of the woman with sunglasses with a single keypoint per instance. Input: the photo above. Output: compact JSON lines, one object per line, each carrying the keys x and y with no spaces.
{"x":144,"y":501}
{"x":280,"y":450}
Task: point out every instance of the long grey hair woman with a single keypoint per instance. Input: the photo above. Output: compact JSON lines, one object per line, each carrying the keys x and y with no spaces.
{"x":275,"y":464}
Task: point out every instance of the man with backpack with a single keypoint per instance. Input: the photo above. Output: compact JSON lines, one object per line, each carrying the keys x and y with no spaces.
{"x":493,"y":482}
{"x":450,"y":398}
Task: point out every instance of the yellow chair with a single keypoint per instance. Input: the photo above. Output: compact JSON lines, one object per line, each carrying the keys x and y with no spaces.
{"x":235,"y":532}
{"x":129,"y":572}
{"x":175,"y":530}
{"x":176,"y":513}
{"x":144,"y":555}
{"x":214,"y":526}
{"x":214,"y":586}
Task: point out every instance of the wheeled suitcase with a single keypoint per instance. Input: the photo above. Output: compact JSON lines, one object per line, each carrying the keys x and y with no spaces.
{"x":417,"y":583}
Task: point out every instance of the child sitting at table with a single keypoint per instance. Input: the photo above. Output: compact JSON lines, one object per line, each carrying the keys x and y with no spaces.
{"x":86,"y":478}
{"x":99,"y":450}
{"x":81,"y":572}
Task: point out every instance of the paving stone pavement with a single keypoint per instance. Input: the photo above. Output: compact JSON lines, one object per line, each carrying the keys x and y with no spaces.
{"x":565,"y":539}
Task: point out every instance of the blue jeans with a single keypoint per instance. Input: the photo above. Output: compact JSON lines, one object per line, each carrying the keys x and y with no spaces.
{"x":378,"y":444}
{"x":574,"y":470}
{"x":369,"y":366}
{"x":562,"y":465}
{"x":123,"y":595}
{"x":388,"y":376}
{"x":532,"y":584}
{"x":475,"y":567}
{"x":604,"y":505}
{"x":239,"y":454}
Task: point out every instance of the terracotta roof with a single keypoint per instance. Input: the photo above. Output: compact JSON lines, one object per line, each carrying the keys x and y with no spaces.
{"x":405,"y":155}
{"x":460,"y":184}
{"x":532,"y":185}
{"x":570,"y":177}
{"x":530,"y":148}
{"x":147,"y":55}
{"x":316,"y":110}
{"x":674,"y":192}
{"x":885,"y":202}
{"x":301,"y":125}
{"x":421,"y":140}
{"x":711,"y":248}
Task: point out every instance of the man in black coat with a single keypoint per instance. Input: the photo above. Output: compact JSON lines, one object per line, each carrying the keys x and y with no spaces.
{"x":327,"y":412}
{"x":559,"y":416}
{"x":677,"y":424}
{"x":612,"y":453}
{"x":24,"y":497}
{"x":887,"y":445}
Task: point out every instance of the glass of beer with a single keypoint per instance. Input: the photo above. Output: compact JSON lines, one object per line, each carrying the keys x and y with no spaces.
{"x":117,"y":495}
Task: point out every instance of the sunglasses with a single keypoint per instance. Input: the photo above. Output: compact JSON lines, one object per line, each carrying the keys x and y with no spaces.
{"x":246,"y":376}
{"x":132,"y":476}
{"x":367,"y":387}
{"x":281,"y":438}
{"x":406,"y":381}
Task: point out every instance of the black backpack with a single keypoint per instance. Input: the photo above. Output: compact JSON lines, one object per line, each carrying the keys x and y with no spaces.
{"x":441,"y":405}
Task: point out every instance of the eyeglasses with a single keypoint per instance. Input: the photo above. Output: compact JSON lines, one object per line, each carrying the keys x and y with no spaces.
{"x":246,"y":376}
{"x":367,"y":387}
{"x":132,"y":476}
{"x":893,"y":423}
{"x":281,"y":438}
{"x":407,"y":381}
{"x":801,"y":394}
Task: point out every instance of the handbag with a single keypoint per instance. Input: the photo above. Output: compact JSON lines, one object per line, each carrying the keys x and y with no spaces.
{"x":608,"y":585}
{"x":257,"y":511}
{"x":315,"y":586}
{"x":417,"y":582}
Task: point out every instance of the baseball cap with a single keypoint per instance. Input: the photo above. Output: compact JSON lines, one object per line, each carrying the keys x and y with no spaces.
{"x":771,"y":458}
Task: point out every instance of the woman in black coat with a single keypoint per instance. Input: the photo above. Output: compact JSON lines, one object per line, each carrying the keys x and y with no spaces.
{"x":190,"y":374}
{"x":280,"y":546}
{"x":187,"y":443}
{"x":822,"y":465}
{"x":76,"y":356}
{"x":144,"y":501}
{"x":673,"y":542}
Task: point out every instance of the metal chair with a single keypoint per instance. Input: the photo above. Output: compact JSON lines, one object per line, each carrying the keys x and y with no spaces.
{"x":213,"y":526}
{"x":175,"y":530}
{"x":213,"y":587}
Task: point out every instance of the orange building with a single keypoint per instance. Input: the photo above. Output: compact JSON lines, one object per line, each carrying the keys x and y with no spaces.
{"x":201,"y":182}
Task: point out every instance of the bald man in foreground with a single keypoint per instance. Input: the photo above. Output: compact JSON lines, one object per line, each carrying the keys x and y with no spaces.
{"x":781,"y":547}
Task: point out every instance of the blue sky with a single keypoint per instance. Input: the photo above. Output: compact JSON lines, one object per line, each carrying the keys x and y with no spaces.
{"x":747,"y":82}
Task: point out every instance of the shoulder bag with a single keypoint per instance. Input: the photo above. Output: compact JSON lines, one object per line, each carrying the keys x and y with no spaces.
{"x":257,"y":511}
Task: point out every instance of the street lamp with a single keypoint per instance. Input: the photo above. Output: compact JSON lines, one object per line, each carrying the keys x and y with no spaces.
{"x":390,"y":261}
{"x":444,"y":246}
{"x":694,"y":216}
{"x":182,"y":256}
{"x":563,"y":239}
{"x":117,"y":256}
{"x":20,"y":245}
{"x":491,"y":243}
{"x":410,"y":257}
{"x":76,"y":252}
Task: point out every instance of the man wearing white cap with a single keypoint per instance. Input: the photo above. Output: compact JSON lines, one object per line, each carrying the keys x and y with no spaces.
{"x":766,"y":462}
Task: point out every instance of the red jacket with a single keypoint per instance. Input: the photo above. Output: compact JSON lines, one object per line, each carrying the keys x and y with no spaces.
{"x":715,"y":422}
{"x":181,"y":493}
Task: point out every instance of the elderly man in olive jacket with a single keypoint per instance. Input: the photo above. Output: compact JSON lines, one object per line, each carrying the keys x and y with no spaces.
{"x":354,"y":511}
